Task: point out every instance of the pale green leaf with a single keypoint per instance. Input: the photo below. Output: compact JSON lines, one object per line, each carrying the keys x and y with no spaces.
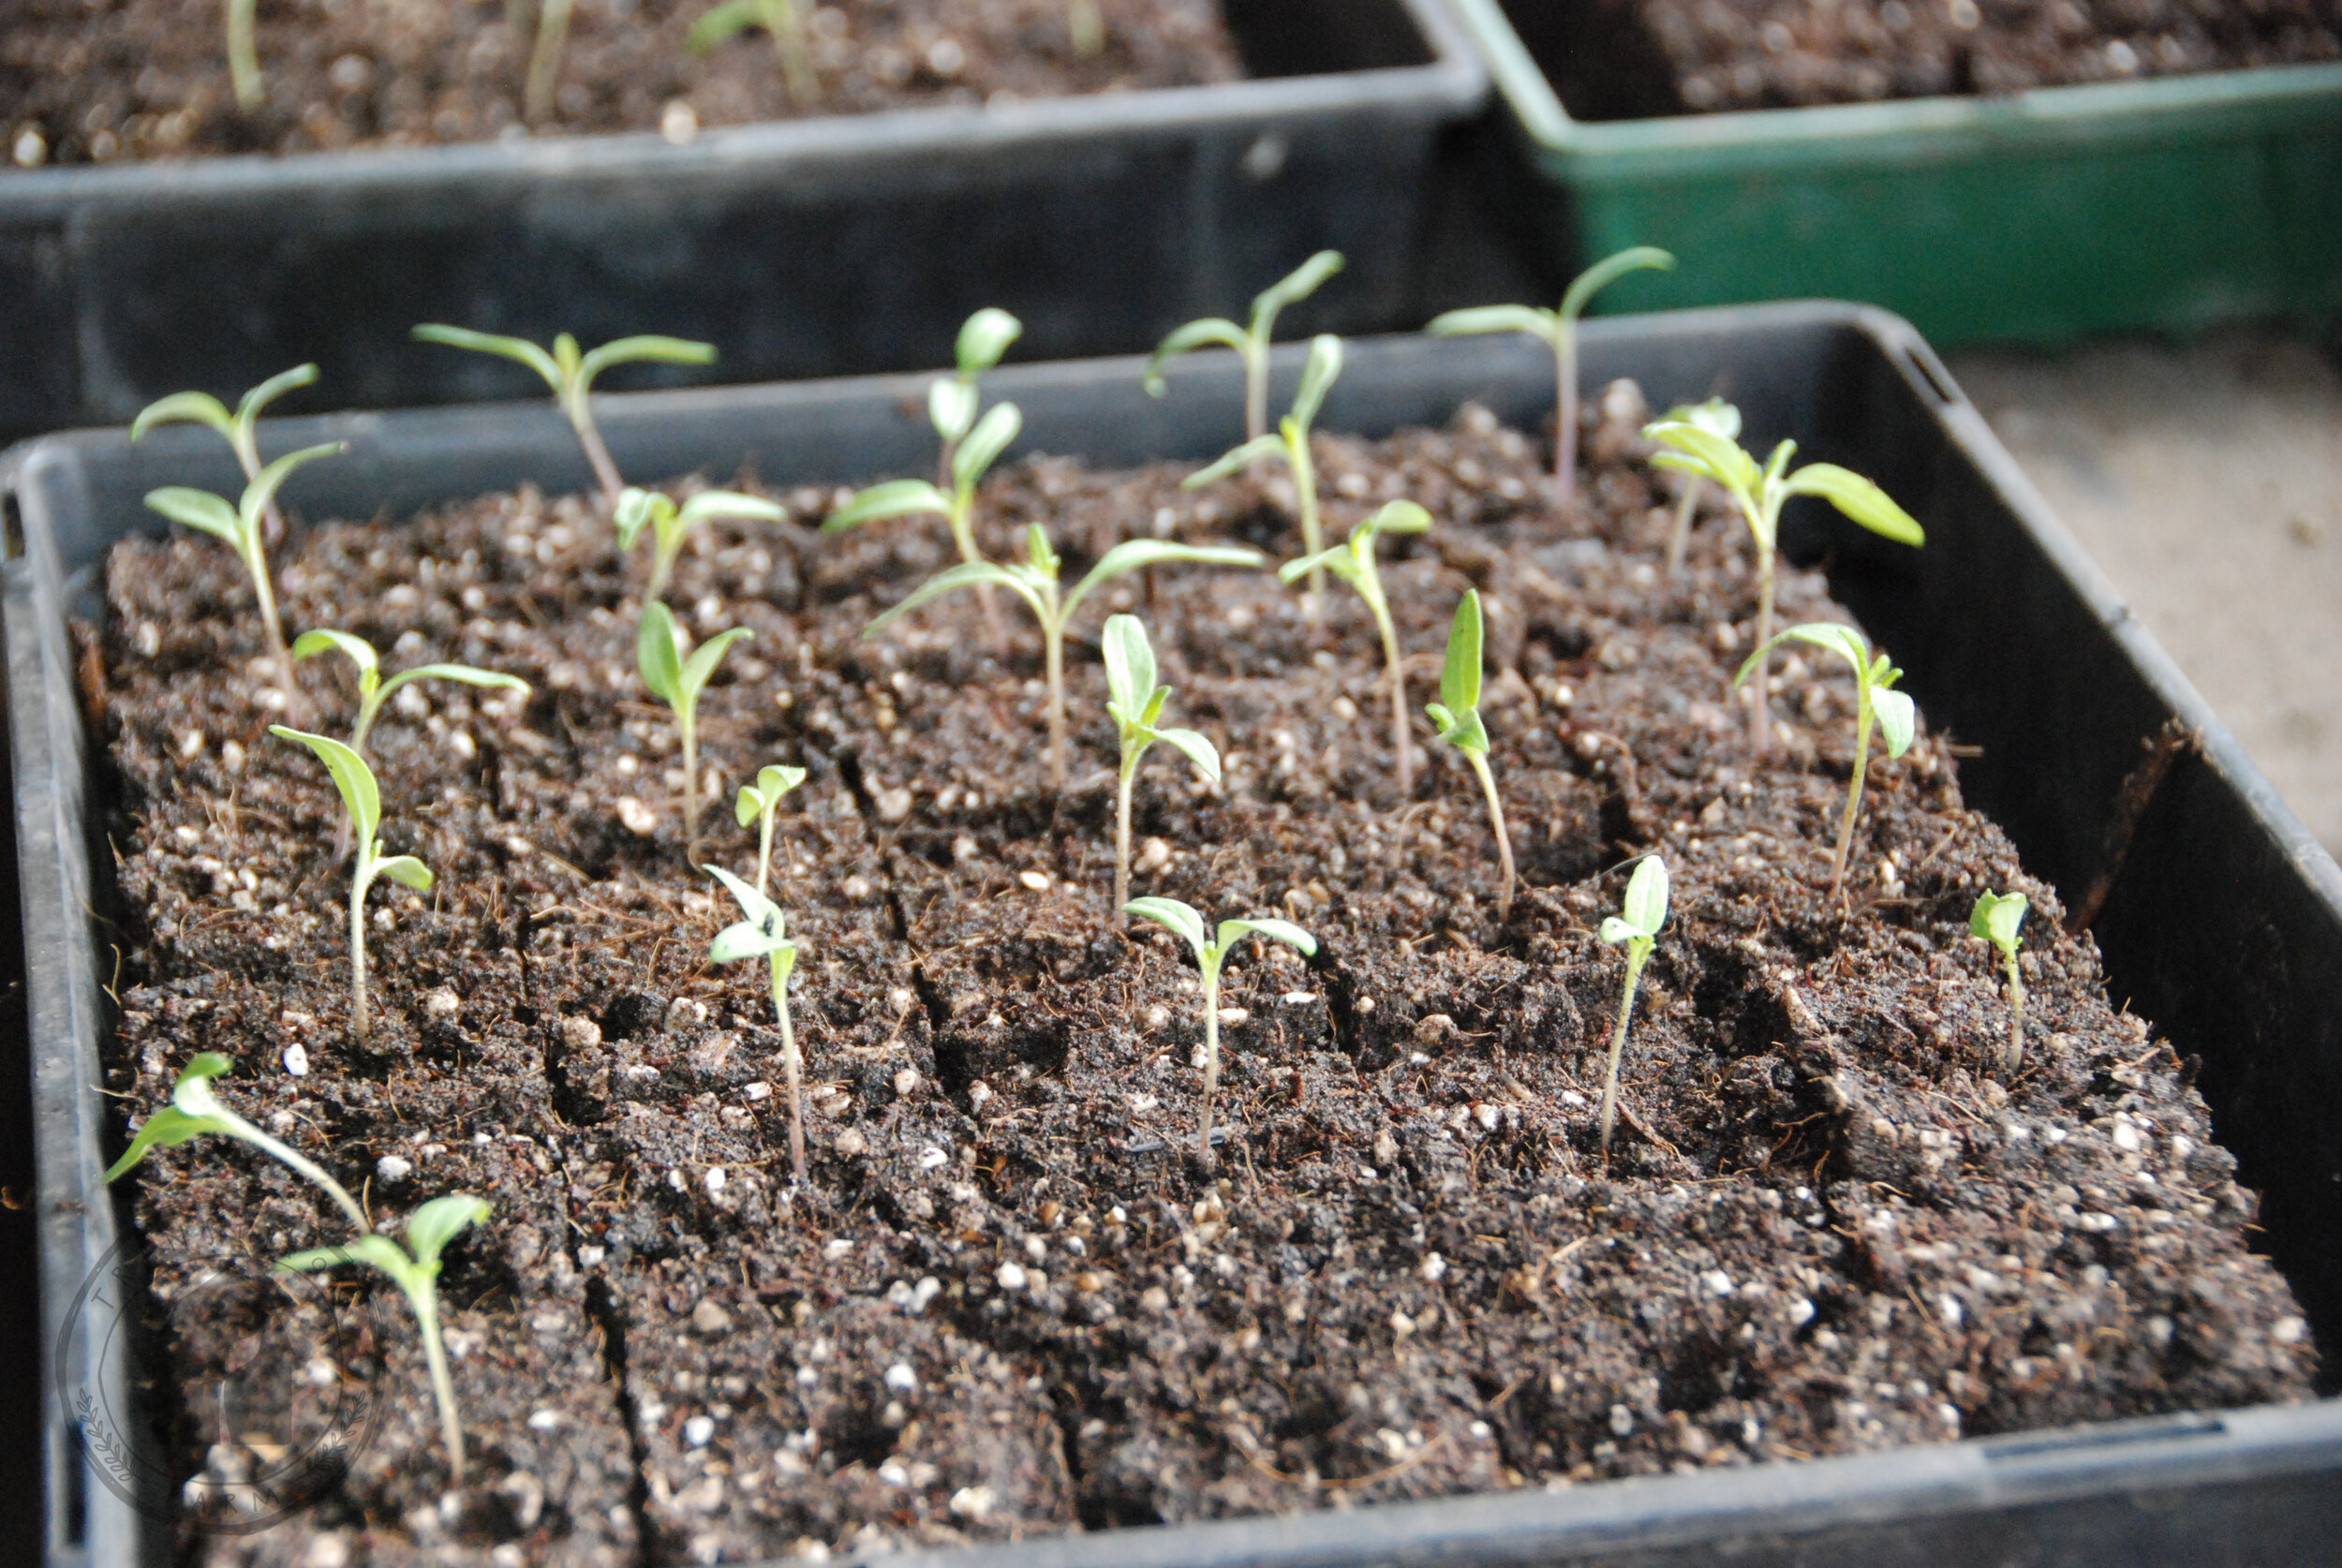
{"x":200,"y":509}
{"x":746,"y":939}
{"x":730,"y":506}
{"x":518,"y":348}
{"x":894,"y":499}
{"x":1172,"y":915}
{"x":1234,"y":931}
{"x":463,"y":674}
{"x":721,"y":24}
{"x":1615,"y":931}
{"x":1395,"y":517}
{"x":248,"y":412}
{"x":1715,"y":414}
{"x":1996,"y":918}
{"x":634,"y":351}
{"x":1195,"y":749}
{"x":702,"y":664}
{"x":1340,"y":559}
{"x":1252,"y":451}
{"x":1295,"y":287}
{"x":1646,"y":901}
{"x":376,"y":1252}
{"x":950,"y":407}
{"x":1318,"y":376}
{"x":1608,"y":271}
{"x":1860,"y":499}
{"x":1001,"y":425}
{"x":656,"y":657}
{"x":351,"y":776}
{"x":1130,"y":661}
{"x":186,"y":408}
{"x":984,"y":338}
{"x":1211,"y":332}
{"x":431,"y":1227}
{"x":755,"y":908}
{"x":166,"y":1129}
{"x":1536,"y":322}
{"x":262,"y":490}
{"x":966,"y":575}
{"x":1898,"y":719}
{"x":1459,"y":678}
{"x":1717,"y":457}
{"x":356,"y":649}
{"x":1134,"y":554}
{"x":406,"y":871}
{"x":636,"y":510}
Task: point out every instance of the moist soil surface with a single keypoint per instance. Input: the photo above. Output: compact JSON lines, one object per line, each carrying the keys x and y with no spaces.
{"x":1636,"y":59}
{"x":104,"y":80}
{"x":1011,"y":1300}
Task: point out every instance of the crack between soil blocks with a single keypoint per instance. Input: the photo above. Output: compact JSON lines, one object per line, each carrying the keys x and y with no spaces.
{"x":612,"y":1319}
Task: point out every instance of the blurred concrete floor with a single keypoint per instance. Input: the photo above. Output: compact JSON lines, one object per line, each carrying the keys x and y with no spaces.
{"x":2206,"y":480}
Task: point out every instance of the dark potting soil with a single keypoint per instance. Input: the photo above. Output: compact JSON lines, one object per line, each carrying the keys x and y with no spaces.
{"x":1010,"y":1300}
{"x":1635,"y":59}
{"x":103,"y":81}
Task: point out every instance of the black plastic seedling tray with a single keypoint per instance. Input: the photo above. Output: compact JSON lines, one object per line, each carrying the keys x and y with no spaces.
{"x":2224,"y":925}
{"x":816,"y":247}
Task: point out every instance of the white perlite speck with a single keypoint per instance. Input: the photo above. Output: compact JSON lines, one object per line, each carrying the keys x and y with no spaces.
{"x":296,"y":1060}
{"x":901,"y":1379}
{"x":392,"y":1167}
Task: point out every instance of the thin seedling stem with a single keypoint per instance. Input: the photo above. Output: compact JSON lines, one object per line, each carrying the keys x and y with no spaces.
{"x":1760,"y":698}
{"x":1685,"y":505}
{"x":1122,"y":833}
{"x":1504,"y":839}
{"x":1564,"y":417}
{"x":688,"y":722}
{"x":442,"y":1386}
{"x":545,"y":70}
{"x":1618,"y":1045}
{"x":1403,"y":765}
{"x":1212,"y":1062}
{"x":1853,"y":796}
{"x":790,"y":1067}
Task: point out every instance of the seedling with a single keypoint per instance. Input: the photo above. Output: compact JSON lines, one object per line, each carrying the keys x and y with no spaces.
{"x":363,"y":799}
{"x":1457,"y":715}
{"x":784,"y":19}
{"x":1715,"y":415}
{"x":1760,"y":492}
{"x":1035,"y":582}
{"x":757,"y":803}
{"x":1558,"y":328}
{"x":569,"y":373}
{"x":1638,"y":927}
{"x":1995,"y":918}
{"x":1292,"y":443}
{"x":1136,"y":703}
{"x":1209,"y":955}
{"x":1873,"y":678}
{"x":671,"y":524}
{"x":415,"y":1271}
{"x":240,"y":527}
{"x":1251,"y":342}
{"x":1353,"y":563}
{"x":677,"y":678}
{"x":373,"y":691}
{"x":239,"y":429}
{"x":195,"y":1111}
{"x":761,"y":933}
{"x":952,"y":401}
{"x":969,"y":457}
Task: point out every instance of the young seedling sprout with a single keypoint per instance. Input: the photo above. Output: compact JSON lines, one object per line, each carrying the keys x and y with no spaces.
{"x":373,"y":691}
{"x":1874,"y":677}
{"x":244,"y":55}
{"x":1995,"y":918}
{"x":1211,"y":954}
{"x":970,"y":456}
{"x":1035,"y":582}
{"x":761,"y":933}
{"x":1760,"y":492}
{"x":756,"y":804}
{"x":1252,"y":343}
{"x":239,"y":429}
{"x":363,"y":799}
{"x":571,"y":374}
{"x":953,"y":400}
{"x":670,"y":523}
{"x":1457,"y":715}
{"x":1638,"y":927}
{"x":1557,"y":328}
{"x":784,"y":19}
{"x":1136,"y":703}
{"x":1292,"y":443}
{"x":415,"y":1271}
{"x":240,"y":527}
{"x":195,"y":1111}
{"x":676,"y":678}
{"x":1352,"y":561}
{"x":1724,"y":420}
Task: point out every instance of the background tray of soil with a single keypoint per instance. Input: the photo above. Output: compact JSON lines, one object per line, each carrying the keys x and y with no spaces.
{"x":2017,"y":214}
{"x":2220,"y":924}
{"x":811,"y":247}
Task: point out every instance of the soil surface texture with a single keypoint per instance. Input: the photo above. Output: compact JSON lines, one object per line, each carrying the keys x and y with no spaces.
{"x":106,"y":81}
{"x":1634,"y":59}
{"x":1011,"y":1300}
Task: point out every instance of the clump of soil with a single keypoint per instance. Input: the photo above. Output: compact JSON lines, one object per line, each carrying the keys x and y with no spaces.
{"x":101,"y":81}
{"x":1011,"y":1300}
{"x":1633,"y":59}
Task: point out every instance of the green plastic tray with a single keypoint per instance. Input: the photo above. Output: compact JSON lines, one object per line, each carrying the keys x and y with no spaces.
{"x":2167,"y":205}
